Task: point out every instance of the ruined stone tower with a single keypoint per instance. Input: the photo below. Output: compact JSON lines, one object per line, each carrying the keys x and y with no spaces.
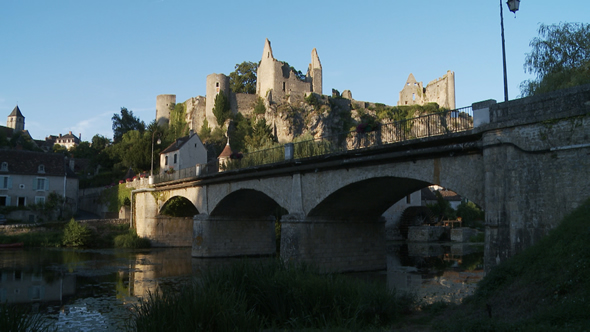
{"x":440,"y":91}
{"x":275,"y":79}
{"x":163,"y":104}
{"x":16,"y":120}
{"x":216,"y":83}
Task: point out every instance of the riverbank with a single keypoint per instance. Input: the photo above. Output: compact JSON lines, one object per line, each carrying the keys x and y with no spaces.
{"x":545,"y":288}
{"x":101,"y":233}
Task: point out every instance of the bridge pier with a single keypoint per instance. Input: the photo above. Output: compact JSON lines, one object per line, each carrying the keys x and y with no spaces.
{"x":228,"y":236}
{"x":334,"y":245}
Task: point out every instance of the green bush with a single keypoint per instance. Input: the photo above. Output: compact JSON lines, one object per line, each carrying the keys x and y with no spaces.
{"x":75,"y":234}
{"x":131,"y":241}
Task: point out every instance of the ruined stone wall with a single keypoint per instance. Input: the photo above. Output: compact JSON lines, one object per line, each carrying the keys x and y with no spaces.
{"x":195,"y":112}
{"x":243,"y":103}
{"x":442,"y":91}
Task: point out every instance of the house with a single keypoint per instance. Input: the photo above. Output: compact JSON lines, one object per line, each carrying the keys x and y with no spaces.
{"x":68,"y":140}
{"x":28,"y":178}
{"x":429,"y":196}
{"x":185,"y":152}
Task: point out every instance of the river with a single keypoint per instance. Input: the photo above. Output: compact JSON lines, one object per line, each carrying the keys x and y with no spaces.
{"x":95,"y":290}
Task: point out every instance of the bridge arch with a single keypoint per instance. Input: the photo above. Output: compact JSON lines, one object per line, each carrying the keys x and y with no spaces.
{"x":366,"y":199}
{"x":246,"y":202}
{"x":178,"y":206}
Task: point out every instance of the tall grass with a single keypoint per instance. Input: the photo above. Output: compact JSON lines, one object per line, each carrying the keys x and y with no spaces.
{"x":271,"y":295}
{"x":17,"y":318}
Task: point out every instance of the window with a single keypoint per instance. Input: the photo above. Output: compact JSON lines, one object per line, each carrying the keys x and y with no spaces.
{"x":41,"y":169}
{"x":175,"y":158}
{"x":5,"y":182}
{"x":21,"y":201}
{"x":283,"y":86}
{"x":166,"y":160}
{"x":4,"y":200}
{"x":4,"y":167}
{"x":41,"y":184}
{"x":39,"y":200}
{"x":409,"y":199}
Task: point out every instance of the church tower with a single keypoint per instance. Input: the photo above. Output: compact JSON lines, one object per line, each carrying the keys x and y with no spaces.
{"x":16,"y":120}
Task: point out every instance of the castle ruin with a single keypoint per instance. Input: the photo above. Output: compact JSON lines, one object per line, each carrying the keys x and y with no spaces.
{"x":440,"y":91}
{"x":278,"y":83}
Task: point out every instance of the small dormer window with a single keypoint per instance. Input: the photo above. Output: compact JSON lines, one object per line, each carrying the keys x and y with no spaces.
{"x":4,"y":167}
{"x":41,"y":169}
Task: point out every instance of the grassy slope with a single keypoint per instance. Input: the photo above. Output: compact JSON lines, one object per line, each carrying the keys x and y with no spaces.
{"x":545,"y":288}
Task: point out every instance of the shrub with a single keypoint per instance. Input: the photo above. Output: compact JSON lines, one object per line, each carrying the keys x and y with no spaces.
{"x":131,"y":241}
{"x":75,"y":234}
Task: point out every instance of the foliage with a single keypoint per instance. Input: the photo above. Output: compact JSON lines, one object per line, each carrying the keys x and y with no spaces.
{"x":221,"y":108}
{"x":271,"y":296}
{"x":442,"y":208}
{"x":18,"y":318}
{"x":260,"y":136}
{"x":471,"y":214}
{"x":259,"y":108}
{"x":243,"y":78}
{"x":313,"y":100}
{"x":115,"y":197}
{"x":177,"y":126}
{"x":546,"y":287}
{"x":205,"y":132}
{"x":75,"y":234}
{"x":560,"y":58}
{"x":306,"y":146}
{"x":179,"y":207}
{"x":53,"y":207}
{"x":19,"y":139}
{"x":133,"y":151}
{"x":58,"y":148}
{"x":124,"y":123}
{"x":46,"y":238}
{"x":131,"y":241}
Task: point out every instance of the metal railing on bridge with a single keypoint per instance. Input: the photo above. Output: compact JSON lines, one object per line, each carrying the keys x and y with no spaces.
{"x":363,"y":137}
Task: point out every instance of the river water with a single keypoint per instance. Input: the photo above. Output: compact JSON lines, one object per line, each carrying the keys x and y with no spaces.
{"x":95,"y":290}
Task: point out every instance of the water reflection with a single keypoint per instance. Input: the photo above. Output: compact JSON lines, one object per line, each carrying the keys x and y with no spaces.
{"x":96,"y":289}
{"x":435,"y":272}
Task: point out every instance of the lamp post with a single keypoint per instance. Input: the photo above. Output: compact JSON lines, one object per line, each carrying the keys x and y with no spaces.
{"x":513,"y":6}
{"x":159,"y":142}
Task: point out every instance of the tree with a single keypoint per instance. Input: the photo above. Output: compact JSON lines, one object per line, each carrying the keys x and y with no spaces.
{"x":560,"y":58}
{"x":177,"y":126}
{"x":260,"y":136}
{"x":221,"y":108}
{"x":243,"y":78}
{"x":124,"y":123}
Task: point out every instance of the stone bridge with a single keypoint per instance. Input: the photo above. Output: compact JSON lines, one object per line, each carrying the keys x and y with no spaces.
{"x":526,"y":164}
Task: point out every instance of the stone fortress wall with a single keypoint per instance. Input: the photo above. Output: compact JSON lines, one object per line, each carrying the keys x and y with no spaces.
{"x":440,"y":91}
{"x":277,"y":83}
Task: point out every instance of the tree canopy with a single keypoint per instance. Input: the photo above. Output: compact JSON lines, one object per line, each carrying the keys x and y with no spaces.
{"x":243,"y":78}
{"x":124,"y":123}
{"x":221,"y":108}
{"x":560,"y":58}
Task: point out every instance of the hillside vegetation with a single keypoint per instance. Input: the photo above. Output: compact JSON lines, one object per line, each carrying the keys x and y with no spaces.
{"x":545,"y":288}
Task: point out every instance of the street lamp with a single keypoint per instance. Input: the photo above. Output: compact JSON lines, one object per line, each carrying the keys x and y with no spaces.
{"x":158,"y":142}
{"x":513,"y":6}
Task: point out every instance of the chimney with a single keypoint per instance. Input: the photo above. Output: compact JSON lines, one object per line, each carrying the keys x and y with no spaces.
{"x":80,"y":136}
{"x":190,"y":133}
{"x":70,"y":132}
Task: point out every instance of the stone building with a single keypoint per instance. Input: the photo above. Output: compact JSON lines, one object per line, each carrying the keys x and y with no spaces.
{"x":16,"y":120}
{"x":28,"y":177}
{"x":440,"y":91}
{"x":183,"y":153}
{"x":68,"y":140}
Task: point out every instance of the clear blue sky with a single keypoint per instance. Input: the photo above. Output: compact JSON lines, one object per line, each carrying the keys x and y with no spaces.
{"x":71,"y":64}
